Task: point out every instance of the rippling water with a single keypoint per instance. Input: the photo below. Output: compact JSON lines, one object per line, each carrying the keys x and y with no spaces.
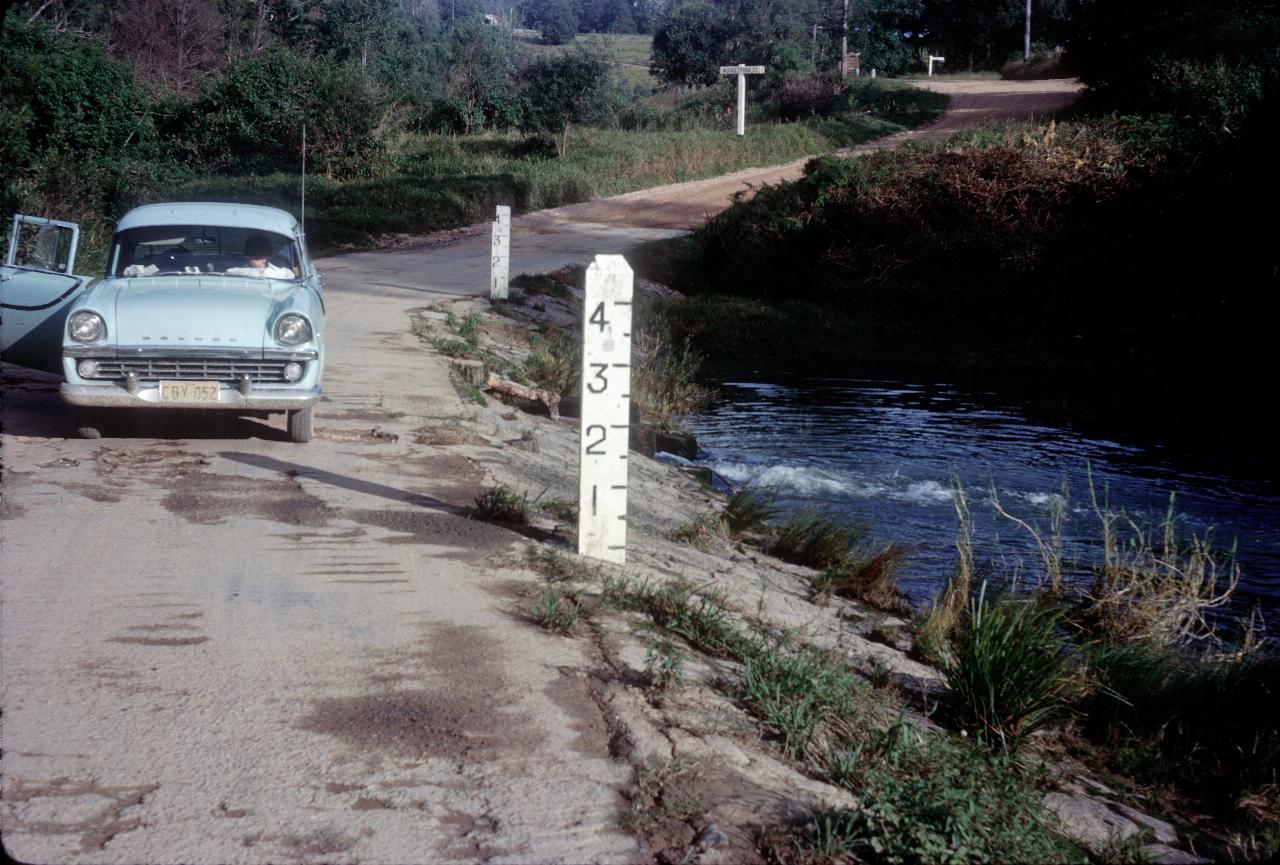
{"x":892,"y":453}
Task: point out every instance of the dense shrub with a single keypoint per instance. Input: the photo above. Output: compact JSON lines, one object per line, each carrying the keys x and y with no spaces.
{"x":807,"y":95}
{"x":1122,"y":50}
{"x":77,"y":140}
{"x":926,"y":800}
{"x":1043,"y":65}
{"x":1206,"y":724}
{"x":569,"y":88}
{"x":76,"y":127}
{"x":250,"y":118}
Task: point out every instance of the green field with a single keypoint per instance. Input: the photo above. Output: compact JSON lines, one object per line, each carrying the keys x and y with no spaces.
{"x":629,"y":51}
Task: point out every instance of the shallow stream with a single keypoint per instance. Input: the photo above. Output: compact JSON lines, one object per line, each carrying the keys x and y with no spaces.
{"x":891,"y":454}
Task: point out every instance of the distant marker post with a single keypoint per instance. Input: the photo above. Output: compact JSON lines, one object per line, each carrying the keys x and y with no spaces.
{"x":742,"y":72}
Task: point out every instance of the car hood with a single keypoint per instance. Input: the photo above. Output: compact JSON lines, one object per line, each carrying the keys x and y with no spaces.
{"x":215,"y":312}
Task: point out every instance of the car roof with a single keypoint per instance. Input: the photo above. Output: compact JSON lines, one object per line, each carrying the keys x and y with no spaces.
{"x":211,"y":213}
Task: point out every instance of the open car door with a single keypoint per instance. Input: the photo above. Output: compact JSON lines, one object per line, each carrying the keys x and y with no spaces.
{"x":37,"y":285}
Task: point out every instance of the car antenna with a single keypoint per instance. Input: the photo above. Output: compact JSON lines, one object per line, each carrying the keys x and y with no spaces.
{"x":304,"y":179}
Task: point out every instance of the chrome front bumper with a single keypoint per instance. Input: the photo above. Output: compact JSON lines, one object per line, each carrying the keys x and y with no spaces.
{"x":263,"y":399}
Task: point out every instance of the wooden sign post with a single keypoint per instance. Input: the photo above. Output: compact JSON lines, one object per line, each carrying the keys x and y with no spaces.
{"x":606,"y":410}
{"x":742,"y":72}
{"x":934,"y":59}
{"x":500,"y":254}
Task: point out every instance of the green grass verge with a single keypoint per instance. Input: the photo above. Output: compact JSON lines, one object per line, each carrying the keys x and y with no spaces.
{"x":926,"y":796}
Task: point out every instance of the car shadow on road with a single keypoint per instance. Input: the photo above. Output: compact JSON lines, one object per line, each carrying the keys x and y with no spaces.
{"x":297,"y":470}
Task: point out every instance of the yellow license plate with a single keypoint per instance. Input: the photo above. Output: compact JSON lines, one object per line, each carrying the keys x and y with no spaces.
{"x":188,"y":391}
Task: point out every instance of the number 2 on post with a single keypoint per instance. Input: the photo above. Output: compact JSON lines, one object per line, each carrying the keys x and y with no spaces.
{"x":596,"y":448}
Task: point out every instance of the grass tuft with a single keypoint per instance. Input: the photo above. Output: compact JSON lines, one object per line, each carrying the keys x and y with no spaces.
{"x":1009,"y":674}
{"x":501,"y":504}
{"x":816,"y":540}
{"x":796,"y":693}
{"x":872,"y":578}
{"x":664,"y":378}
{"x":554,"y":364}
{"x":559,"y":567}
{"x":664,"y":665}
{"x":556,"y":611}
{"x":748,"y":509}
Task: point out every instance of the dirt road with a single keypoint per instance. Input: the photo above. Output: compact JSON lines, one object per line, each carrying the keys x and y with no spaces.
{"x":684,"y":205}
{"x":218,"y":646}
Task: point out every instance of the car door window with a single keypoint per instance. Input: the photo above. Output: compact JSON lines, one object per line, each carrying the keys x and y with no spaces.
{"x":43,"y":244}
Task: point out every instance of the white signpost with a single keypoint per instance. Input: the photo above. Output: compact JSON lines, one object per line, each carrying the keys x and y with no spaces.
{"x":742,"y":72}
{"x":500,"y":254}
{"x":932,"y":59}
{"x":606,"y":410}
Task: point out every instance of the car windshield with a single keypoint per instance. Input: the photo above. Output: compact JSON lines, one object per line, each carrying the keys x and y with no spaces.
{"x":204,"y":249}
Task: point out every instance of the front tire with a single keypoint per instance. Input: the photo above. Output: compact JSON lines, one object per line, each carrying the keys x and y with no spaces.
{"x":300,"y":425}
{"x":89,"y":424}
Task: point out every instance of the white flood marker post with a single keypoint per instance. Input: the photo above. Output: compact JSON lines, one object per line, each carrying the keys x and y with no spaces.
{"x":500,"y":254}
{"x":742,"y":72}
{"x":932,"y":58}
{"x":606,"y":410}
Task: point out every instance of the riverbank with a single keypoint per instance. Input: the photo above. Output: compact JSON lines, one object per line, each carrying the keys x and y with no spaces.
{"x":762,"y":718}
{"x":1073,"y":262}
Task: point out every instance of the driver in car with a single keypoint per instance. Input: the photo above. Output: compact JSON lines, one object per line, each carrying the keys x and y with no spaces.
{"x":258,"y":248}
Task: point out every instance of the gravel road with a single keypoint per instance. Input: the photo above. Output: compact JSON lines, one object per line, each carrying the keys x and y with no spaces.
{"x":217,"y":646}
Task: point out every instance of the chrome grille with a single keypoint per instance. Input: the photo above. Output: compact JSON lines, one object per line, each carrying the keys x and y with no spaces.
{"x":191,"y":369}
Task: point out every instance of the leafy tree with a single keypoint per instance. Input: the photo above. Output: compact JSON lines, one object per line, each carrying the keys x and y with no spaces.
{"x":885,"y":42}
{"x":67,"y":95}
{"x":604,"y":16}
{"x":620,"y":18}
{"x":647,"y":14}
{"x":251,"y":117}
{"x":76,"y":128}
{"x":689,"y":44}
{"x":455,"y":14}
{"x":481,"y":78}
{"x":171,"y":43}
{"x":560,"y":90}
{"x":358,"y":30}
{"x":556,"y":19}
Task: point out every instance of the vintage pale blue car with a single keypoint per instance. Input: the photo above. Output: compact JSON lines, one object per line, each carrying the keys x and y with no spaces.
{"x":204,"y":306}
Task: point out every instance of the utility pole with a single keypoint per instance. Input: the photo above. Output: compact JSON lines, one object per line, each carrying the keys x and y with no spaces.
{"x":844,"y":40}
{"x":1026,"y":39}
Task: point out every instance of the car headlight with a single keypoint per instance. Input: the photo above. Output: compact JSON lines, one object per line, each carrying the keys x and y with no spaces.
{"x":292,"y":329}
{"x":292,"y":371}
{"x":86,"y":326}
